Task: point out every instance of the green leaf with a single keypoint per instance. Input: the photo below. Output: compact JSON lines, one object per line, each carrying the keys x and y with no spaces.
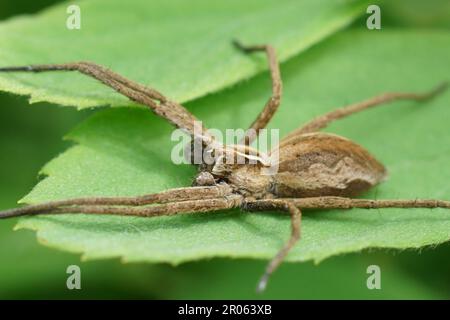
{"x":127,"y":152}
{"x":183,"y":48}
{"x":31,"y":271}
{"x":418,"y":13}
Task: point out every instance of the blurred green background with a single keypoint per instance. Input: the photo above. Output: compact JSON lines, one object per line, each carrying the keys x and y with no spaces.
{"x":31,"y":136}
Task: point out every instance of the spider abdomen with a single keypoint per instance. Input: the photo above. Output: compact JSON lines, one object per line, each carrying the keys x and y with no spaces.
{"x":323,"y":164}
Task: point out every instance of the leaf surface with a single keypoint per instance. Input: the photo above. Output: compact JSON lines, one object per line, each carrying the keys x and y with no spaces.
{"x":126,"y":151}
{"x":182,"y":48}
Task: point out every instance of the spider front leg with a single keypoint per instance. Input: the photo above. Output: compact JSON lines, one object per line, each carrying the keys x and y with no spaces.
{"x":167,"y":209}
{"x":120,"y":204}
{"x":175,"y":113}
{"x":277,"y":88}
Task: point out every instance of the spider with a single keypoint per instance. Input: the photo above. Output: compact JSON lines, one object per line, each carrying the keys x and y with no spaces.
{"x":315,"y":170}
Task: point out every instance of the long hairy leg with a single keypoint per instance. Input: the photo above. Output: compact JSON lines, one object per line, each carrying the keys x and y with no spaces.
{"x":324,"y":120}
{"x":175,"y":113}
{"x":167,"y":209}
{"x":331,"y":202}
{"x":296,"y":216}
{"x":104,"y":203}
{"x":277,"y":87}
{"x":349,"y":203}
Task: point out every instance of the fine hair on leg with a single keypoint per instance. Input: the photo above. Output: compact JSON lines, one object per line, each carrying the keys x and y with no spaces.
{"x":332,"y":202}
{"x":273,"y":103}
{"x":296,"y":217}
{"x":175,"y":113}
{"x":166,"y":209}
{"x":324,"y":120}
{"x":171,"y":195}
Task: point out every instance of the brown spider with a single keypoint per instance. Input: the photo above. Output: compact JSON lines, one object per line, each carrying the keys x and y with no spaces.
{"x":315,"y":170}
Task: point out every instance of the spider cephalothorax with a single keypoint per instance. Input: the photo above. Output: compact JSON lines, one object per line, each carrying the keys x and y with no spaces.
{"x":313,"y":170}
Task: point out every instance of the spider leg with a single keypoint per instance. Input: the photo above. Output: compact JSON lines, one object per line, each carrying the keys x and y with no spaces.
{"x":331,"y":202}
{"x":171,"y":208}
{"x":175,"y":113}
{"x":296,"y":216}
{"x":277,"y":87}
{"x":324,"y":120}
{"x":172,"y":195}
{"x":349,"y":203}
